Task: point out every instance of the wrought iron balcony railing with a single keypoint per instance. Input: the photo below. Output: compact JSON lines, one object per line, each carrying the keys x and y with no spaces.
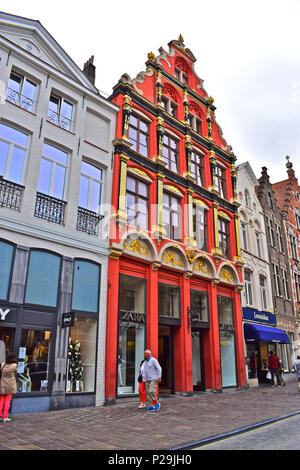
{"x":10,"y":194}
{"x":59,"y":120}
{"x":49,"y":208}
{"x":20,"y":100}
{"x":87,"y":221}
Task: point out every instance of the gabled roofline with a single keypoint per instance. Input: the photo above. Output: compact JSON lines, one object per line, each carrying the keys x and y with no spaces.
{"x":36,"y":26}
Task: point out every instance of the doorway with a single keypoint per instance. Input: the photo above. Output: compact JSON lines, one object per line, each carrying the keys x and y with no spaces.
{"x":165,"y":359}
{"x":197,"y":359}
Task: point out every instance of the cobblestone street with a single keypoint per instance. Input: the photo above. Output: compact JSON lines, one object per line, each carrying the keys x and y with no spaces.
{"x":181,"y":420}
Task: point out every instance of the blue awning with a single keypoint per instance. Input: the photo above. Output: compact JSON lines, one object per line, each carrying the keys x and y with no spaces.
{"x":256,"y":332}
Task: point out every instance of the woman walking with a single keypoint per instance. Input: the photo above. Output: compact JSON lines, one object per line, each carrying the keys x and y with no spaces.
{"x":8,"y":384}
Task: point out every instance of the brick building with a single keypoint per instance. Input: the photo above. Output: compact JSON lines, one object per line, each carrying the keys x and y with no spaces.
{"x":175,"y":274}
{"x":279,"y":267}
{"x":287,"y":193}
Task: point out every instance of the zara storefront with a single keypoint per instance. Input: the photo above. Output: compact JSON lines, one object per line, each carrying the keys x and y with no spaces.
{"x":49,"y":317}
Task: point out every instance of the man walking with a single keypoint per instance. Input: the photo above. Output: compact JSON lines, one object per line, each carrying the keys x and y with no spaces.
{"x":152,"y":373}
{"x":274,"y":366}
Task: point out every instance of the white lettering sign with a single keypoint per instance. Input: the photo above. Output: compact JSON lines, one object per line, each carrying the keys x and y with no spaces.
{"x":4,"y":313}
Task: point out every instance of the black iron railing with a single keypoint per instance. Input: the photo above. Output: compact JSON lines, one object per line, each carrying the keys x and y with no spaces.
{"x":49,"y":208}
{"x":10,"y":194}
{"x":87,"y":221}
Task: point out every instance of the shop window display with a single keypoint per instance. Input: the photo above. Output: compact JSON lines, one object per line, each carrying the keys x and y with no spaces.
{"x":33,"y":361}
{"x":227,"y":341}
{"x":81,"y":363}
{"x":43,"y":277}
{"x":132,"y":320}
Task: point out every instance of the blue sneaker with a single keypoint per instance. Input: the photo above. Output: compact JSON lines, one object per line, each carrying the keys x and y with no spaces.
{"x":157,"y":406}
{"x":150,"y":408}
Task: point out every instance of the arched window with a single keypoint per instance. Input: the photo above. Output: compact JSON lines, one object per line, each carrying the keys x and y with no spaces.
{"x":43,"y":278}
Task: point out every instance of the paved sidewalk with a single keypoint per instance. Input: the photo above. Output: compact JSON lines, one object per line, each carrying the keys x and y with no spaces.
{"x":180,"y":420}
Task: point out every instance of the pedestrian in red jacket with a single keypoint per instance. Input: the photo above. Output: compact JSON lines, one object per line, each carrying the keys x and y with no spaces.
{"x":274,"y":366}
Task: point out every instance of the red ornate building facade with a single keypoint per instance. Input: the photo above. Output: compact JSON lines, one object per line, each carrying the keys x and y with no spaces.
{"x":174,"y":276}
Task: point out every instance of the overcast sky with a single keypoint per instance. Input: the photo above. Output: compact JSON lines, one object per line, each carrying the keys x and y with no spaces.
{"x":248,"y":54}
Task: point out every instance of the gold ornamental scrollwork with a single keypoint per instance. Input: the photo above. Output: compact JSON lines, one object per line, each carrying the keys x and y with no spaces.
{"x":226,"y":275}
{"x":137,"y":247}
{"x":172,"y":258}
{"x":201,"y":266}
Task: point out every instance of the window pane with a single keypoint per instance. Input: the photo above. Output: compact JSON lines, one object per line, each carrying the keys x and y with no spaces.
{"x":83,"y":192}
{"x":91,"y":170}
{"x":14,"y":83}
{"x":33,"y":369}
{"x":4,"y":148}
{"x":66,"y":110}
{"x":133,"y":120}
{"x":16,"y":165}
{"x":132,"y":294}
{"x":13,"y":135}
{"x":59,"y":182}
{"x":130,"y":184}
{"x":42,"y":280}
{"x":29,"y":90}
{"x":6,"y":256}
{"x":85,"y":286}
{"x":169,"y":302}
{"x":44,"y":177}
{"x":55,"y":154}
{"x":82,"y":355}
{"x":95,"y":196}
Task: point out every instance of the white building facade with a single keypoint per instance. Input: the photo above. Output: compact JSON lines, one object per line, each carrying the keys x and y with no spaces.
{"x":56,"y":134}
{"x":257,"y":303}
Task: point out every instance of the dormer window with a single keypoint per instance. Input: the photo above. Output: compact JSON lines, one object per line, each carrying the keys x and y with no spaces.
{"x":60,"y":112}
{"x":21,"y":91}
{"x":181,"y":76}
{"x":195,"y":123}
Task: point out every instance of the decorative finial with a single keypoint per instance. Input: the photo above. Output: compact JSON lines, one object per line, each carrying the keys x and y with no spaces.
{"x":211,"y":100}
{"x":289,"y":164}
{"x":151,"y":56}
{"x":180,"y":38}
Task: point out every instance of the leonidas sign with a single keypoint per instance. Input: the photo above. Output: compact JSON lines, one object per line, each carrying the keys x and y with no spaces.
{"x":3,"y":313}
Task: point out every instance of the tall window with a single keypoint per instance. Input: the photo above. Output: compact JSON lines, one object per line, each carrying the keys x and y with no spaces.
{"x":181,"y":76}
{"x":247,"y":198}
{"x":13,"y":151}
{"x":172,"y":216}
{"x":244,"y":235}
{"x":195,"y":123}
{"x":276,"y":278}
{"x":270,"y":200}
{"x":90,"y":187}
{"x":170,"y":153}
{"x":200,"y":226}
{"x":297,"y":218}
{"x":258,"y":244}
{"x":169,"y":106}
{"x":285,"y":283}
{"x":220,"y":181}
{"x":6,"y":256}
{"x":224,"y":239}
{"x":42,"y":278}
{"x":197,"y":167}
{"x":138,"y":135}
{"x":137,"y":201}
{"x":297,"y":285}
{"x":270,"y":230}
{"x":293,"y":243}
{"x":60,"y":112}
{"x":263,"y":292}
{"x":53,"y":172}
{"x":279,"y":238}
{"x":168,"y":301}
{"x":21,"y":91}
{"x":248,"y":287}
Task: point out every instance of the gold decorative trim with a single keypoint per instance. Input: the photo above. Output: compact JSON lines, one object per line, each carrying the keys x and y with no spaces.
{"x":137,"y":247}
{"x":169,"y":257}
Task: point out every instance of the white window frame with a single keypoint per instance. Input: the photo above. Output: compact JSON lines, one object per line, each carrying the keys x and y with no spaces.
{"x":91,"y":179}
{"x":285,"y":283}
{"x":12,"y":145}
{"x":244,"y":235}
{"x":248,"y":287}
{"x":263,"y":292}
{"x":54,"y":164}
{"x":61,"y":121}
{"x":258,"y":244}
{"x":27,"y":102}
